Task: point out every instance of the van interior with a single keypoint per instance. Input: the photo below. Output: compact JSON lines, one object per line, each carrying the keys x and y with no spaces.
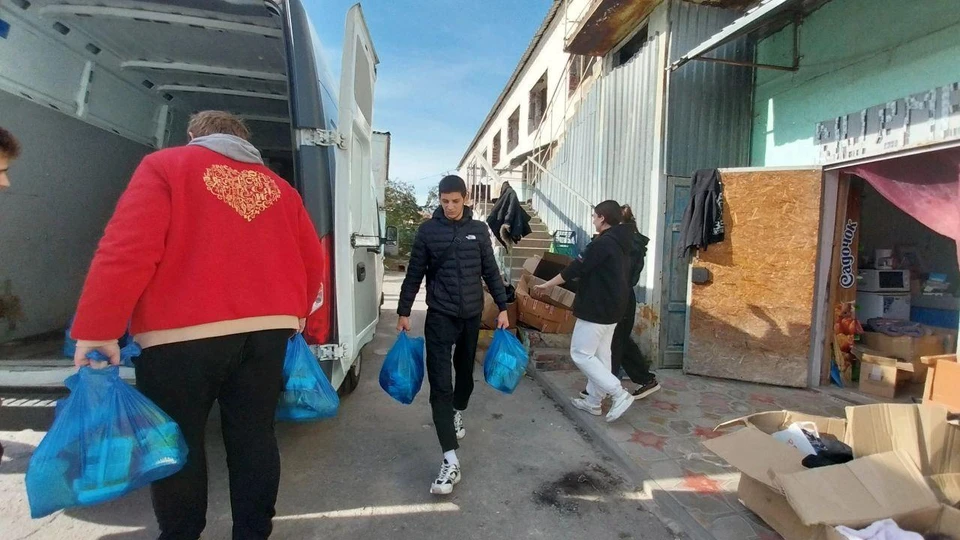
{"x":95,"y":86}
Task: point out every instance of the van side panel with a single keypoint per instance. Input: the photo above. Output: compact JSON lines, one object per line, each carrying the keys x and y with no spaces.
{"x":65,"y":186}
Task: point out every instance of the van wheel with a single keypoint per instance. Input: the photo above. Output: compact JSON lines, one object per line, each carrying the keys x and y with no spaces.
{"x":352,"y":380}
{"x":382,"y":298}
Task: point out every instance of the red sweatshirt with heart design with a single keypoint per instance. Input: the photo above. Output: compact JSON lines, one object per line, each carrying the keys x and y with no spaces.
{"x":201,"y":245}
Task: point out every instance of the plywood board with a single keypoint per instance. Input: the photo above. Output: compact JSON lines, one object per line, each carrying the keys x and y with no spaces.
{"x":752,"y":321}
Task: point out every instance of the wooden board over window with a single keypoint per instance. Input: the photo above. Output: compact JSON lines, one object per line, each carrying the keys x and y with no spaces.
{"x":753,"y":320}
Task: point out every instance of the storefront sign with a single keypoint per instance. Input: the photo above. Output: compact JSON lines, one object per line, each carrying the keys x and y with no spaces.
{"x":848,"y":258}
{"x":921,"y":119}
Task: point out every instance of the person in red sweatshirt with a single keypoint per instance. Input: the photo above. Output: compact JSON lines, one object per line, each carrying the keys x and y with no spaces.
{"x":215,"y":262}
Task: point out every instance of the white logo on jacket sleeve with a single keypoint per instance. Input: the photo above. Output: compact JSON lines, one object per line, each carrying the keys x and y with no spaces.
{"x":471,"y":237}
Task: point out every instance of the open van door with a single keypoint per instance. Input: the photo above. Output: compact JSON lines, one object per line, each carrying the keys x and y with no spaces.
{"x":356,"y":209}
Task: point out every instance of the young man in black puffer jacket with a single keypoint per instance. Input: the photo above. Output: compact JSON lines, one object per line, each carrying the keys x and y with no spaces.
{"x":454,"y":252}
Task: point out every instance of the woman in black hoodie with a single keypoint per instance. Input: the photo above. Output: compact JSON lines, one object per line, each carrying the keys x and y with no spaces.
{"x":601,"y":301}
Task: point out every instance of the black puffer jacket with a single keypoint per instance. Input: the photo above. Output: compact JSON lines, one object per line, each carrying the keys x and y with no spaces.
{"x":453,"y":285}
{"x":602,"y":268}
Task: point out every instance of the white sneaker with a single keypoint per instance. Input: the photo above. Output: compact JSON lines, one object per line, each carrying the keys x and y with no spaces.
{"x":586,"y":407}
{"x":449,"y":476}
{"x":458,"y":425}
{"x":621,"y":402}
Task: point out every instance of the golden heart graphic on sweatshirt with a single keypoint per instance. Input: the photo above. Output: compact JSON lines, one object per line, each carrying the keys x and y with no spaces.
{"x":248,"y":192}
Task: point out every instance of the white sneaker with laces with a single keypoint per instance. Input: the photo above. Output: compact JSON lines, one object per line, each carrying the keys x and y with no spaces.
{"x":586,"y":406}
{"x":458,"y":425}
{"x":449,"y":476}
{"x":621,"y":402}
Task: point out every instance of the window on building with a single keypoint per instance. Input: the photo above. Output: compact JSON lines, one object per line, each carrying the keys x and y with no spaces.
{"x":631,"y":48}
{"x":484,"y":154}
{"x":538,"y":104}
{"x":579,"y":70}
{"x":496,"y":149}
{"x":513,"y":130}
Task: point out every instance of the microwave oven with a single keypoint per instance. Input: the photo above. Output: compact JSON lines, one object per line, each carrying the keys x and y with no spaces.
{"x":880,"y":281}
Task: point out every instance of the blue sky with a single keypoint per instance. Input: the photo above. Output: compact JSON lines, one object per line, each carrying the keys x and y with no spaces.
{"x":442,"y":65}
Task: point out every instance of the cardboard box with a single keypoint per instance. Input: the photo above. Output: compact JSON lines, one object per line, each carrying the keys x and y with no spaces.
{"x":911,"y":349}
{"x":900,"y":451}
{"x":488,"y":319}
{"x":556,"y":296}
{"x":547,"y":266}
{"x":944,"y":520}
{"x":881,"y":375}
{"x":541,"y":315}
{"x":943,"y":381}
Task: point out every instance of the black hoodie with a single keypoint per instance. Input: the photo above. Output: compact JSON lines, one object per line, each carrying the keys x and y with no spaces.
{"x":603,"y":269}
{"x":638,"y":252}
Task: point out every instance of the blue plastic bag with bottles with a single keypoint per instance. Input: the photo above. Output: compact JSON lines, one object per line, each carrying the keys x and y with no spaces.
{"x":505,"y":362}
{"x":402,"y":373}
{"x":307,"y":393}
{"x":107,"y":439}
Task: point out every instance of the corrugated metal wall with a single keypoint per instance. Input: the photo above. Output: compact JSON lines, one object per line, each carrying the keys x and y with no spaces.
{"x":709,"y":104}
{"x":606,"y":151}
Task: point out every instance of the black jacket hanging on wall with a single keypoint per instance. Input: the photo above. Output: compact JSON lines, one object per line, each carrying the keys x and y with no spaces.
{"x":508,"y":211}
{"x":703,"y":220}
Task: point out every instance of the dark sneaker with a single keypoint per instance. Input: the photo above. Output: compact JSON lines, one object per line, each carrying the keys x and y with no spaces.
{"x":646,"y":389}
{"x":449,"y":476}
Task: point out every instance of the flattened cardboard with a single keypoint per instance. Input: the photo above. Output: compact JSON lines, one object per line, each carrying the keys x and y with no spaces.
{"x":757,"y":455}
{"x":859,"y":492}
{"x":771,"y":422}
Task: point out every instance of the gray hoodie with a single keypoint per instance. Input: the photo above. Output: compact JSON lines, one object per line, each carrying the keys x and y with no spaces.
{"x":230,"y":146}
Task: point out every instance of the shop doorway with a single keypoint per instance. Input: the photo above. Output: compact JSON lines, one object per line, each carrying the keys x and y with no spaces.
{"x":895,"y":278}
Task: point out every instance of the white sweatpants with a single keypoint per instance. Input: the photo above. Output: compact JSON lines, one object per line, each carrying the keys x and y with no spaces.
{"x":590,"y":349}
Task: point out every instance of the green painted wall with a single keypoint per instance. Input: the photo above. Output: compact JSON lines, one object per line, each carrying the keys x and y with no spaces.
{"x":856,"y":54}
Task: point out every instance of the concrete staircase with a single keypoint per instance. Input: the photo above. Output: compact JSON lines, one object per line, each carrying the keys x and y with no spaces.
{"x":536,"y":243}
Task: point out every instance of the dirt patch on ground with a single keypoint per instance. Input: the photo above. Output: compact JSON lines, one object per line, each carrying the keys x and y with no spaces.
{"x":578,"y":491}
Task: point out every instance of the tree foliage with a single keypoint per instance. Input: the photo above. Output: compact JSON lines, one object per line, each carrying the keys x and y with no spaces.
{"x":433,"y":200}
{"x":403,"y":212}
{"x":402,"y":208}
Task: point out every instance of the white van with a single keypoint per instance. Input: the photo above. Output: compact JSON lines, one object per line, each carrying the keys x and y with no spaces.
{"x":91,"y":86}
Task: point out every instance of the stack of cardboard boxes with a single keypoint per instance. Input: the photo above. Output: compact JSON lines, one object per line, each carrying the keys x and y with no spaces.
{"x":891,"y":363}
{"x":906,"y":467}
{"x":549,"y":312}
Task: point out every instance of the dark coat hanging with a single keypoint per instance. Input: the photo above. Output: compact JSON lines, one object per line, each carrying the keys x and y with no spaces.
{"x":508,"y":212}
{"x":703,"y":220}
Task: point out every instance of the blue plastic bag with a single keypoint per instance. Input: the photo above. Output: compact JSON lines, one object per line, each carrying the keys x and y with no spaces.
{"x":307,"y":394}
{"x":402,"y":373}
{"x":505,"y":362}
{"x":107,"y":440}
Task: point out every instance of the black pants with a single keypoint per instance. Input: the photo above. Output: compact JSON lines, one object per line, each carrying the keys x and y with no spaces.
{"x":244,"y":373}
{"x":626,"y":352}
{"x":442,"y":333}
